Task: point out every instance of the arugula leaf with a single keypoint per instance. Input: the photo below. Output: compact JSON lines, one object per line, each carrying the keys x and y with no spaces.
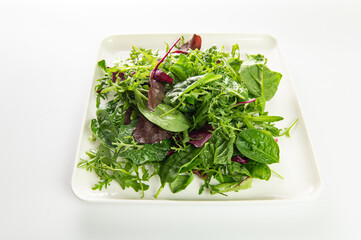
{"x":181,"y":88}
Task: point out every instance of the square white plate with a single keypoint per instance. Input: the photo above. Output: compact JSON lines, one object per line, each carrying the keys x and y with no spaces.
{"x":297,"y":163}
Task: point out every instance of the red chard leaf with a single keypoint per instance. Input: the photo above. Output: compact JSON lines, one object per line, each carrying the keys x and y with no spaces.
{"x":128,"y":113}
{"x":240,"y":160}
{"x":148,"y":133}
{"x":194,"y":43}
{"x":161,"y":76}
{"x":156,"y":94}
{"x":199,"y":138}
{"x":180,"y":51}
{"x":157,"y":87}
{"x":120,"y":75}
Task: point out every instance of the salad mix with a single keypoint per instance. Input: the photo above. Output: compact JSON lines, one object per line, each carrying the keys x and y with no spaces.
{"x":190,"y":113}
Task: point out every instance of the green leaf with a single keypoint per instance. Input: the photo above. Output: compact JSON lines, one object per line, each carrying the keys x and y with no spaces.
{"x":260,"y":80}
{"x":260,"y":104}
{"x":254,"y":59}
{"x":222,"y":150}
{"x":183,"y":87}
{"x":235,"y":63}
{"x":258,"y":146}
{"x":235,"y":88}
{"x":102,"y":65}
{"x":106,"y":126}
{"x":228,"y":187}
{"x":170,"y":167}
{"x":126,"y":131}
{"x":238,"y":168}
{"x":148,"y":153}
{"x":264,"y":118}
{"x":235,"y":49}
{"x":182,"y":68}
{"x":287,"y":130}
{"x":259,"y":170}
{"x":181,"y":182}
{"x":174,"y":121}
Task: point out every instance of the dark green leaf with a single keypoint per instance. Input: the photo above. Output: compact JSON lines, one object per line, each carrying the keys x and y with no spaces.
{"x":222,"y":149}
{"x":258,"y":146}
{"x":148,"y":153}
{"x":259,"y":170}
{"x":181,"y":182}
{"x":260,"y":80}
{"x":170,"y":167}
{"x":174,"y":121}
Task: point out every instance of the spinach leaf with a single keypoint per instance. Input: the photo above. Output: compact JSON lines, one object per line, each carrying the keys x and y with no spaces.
{"x":222,"y":150}
{"x":258,"y":146}
{"x":104,"y":155}
{"x":148,"y":153}
{"x":183,"y":87}
{"x":260,"y":104}
{"x":238,"y":168}
{"x":181,"y":182}
{"x":259,"y":170}
{"x":173,"y":121}
{"x":218,"y":150}
{"x":260,"y":80}
{"x":170,"y":167}
{"x":206,"y":157}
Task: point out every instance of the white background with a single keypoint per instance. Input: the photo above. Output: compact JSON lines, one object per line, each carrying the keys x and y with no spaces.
{"x":47,"y":54}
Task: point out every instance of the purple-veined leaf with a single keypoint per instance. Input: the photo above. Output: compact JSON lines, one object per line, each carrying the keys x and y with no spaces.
{"x":199,"y":138}
{"x":161,"y":76}
{"x":116,"y":74}
{"x":153,"y":98}
{"x":148,"y":133}
{"x":156,"y":94}
{"x":128,"y":113}
{"x":194,"y":43}
{"x":240,"y":160}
